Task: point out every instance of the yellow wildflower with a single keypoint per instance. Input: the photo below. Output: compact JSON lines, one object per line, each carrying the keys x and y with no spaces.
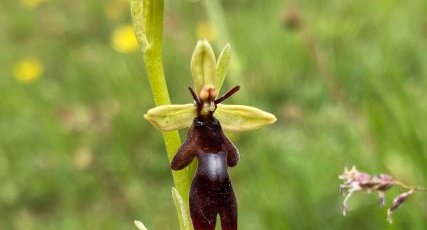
{"x":206,"y":30}
{"x":31,"y":3}
{"x":28,"y":70}
{"x":124,"y":39}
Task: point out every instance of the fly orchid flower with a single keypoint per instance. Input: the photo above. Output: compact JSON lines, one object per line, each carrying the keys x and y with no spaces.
{"x":208,"y":76}
{"x":211,"y":192}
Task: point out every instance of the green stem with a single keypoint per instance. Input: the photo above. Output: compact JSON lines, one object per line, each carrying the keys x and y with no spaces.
{"x":405,"y":186}
{"x":154,"y":66}
{"x":147,"y":18}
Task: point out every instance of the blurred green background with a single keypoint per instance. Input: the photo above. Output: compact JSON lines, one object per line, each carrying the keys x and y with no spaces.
{"x":346,"y":79}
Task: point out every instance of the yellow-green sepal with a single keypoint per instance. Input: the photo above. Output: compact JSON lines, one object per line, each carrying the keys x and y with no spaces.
{"x":242,"y":118}
{"x":222,"y":66}
{"x":171,"y":117}
{"x":203,"y":65}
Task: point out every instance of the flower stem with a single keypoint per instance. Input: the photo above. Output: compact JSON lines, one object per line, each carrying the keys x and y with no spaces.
{"x":172,"y":141}
{"x":405,"y":186}
{"x":147,"y":18}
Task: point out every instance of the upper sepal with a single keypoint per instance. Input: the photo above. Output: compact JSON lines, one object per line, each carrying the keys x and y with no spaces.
{"x":203,"y":65}
{"x":242,"y":118}
{"x":222,"y":66}
{"x":171,"y":117}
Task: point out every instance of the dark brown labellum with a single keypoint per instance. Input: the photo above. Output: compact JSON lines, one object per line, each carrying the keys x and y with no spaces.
{"x":211,"y":191}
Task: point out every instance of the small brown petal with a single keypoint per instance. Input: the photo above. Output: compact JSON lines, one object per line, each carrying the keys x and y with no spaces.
{"x":397,"y":202}
{"x":384,"y":182}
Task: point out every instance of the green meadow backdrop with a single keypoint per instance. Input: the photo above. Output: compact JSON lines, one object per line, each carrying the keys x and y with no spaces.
{"x":347,"y":81}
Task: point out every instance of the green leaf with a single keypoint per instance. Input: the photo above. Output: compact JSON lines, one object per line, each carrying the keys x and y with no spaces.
{"x":182,"y":210}
{"x":203,"y":65}
{"x":222,"y":66}
{"x":242,"y":118}
{"x":171,"y":117}
{"x":138,"y":19}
